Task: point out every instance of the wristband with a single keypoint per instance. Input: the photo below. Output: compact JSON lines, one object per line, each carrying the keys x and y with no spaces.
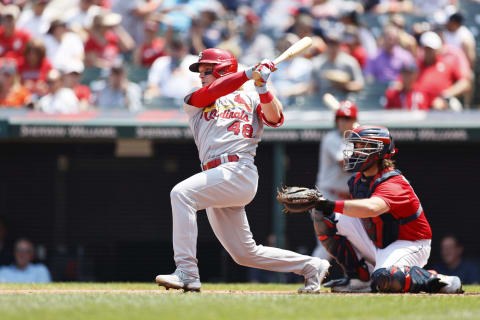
{"x":261,"y":89}
{"x":339,"y":205}
{"x":266,"y":97}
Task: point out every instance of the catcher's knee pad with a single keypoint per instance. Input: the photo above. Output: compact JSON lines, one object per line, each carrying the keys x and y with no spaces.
{"x":339,"y":247}
{"x":404,"y":279}
{"x":324,"y":225}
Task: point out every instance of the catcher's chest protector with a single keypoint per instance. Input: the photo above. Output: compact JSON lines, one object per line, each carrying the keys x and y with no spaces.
{"x":382,"y":230}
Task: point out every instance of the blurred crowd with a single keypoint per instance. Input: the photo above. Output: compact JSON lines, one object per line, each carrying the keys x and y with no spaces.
{"x":68,"y":56}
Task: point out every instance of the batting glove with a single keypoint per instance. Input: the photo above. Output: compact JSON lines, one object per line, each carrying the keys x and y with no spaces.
{"x":265,"y":67}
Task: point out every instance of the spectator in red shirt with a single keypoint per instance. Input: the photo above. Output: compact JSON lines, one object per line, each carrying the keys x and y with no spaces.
{"x":72,"y":75}
{"x":34,"y":66}
{"x":401,"y":95}
{"x":12,"y":40}
{"x":152,"y":47}
{"x":107,"y":39}
{"x":439,"y":79}
{"x":460,"y":59}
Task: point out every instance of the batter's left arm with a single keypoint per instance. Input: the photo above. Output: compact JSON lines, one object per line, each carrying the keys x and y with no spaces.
{"x":273,"y":110}
{"x":271,"y":107}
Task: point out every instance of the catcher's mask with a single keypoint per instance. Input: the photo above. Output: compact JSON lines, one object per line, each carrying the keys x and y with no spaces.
{"x":225,"y":62}
{"x":365,"y":145}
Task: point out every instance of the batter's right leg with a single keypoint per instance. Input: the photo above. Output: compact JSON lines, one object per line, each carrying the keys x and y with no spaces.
{"x":231,"y":227}
{"x":185,"y":230}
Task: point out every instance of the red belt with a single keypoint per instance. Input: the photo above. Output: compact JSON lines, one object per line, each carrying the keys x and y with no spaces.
{"x":339,"y":194}
{"x":218,"y":161}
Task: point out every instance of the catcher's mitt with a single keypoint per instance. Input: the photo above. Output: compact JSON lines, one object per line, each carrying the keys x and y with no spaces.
{"x":298,"y":199}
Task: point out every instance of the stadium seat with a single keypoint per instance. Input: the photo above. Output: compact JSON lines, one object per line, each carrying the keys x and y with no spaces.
{"x":163,"y":103}
{"x":91,"y":74}
{"x":375,"y":22}
{"x":372,"y":96}
{"x":471,"y":11}
{"x":305,"y":102}
{"x":137,"y":74}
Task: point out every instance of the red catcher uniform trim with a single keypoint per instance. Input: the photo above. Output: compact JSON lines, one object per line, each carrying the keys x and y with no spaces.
{"x":397,"y":192}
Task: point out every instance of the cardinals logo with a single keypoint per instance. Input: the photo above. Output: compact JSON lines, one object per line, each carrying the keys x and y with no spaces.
{"x":240,"y":100}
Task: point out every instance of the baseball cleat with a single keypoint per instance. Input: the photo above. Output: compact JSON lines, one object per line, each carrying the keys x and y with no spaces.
{"x":179,"y":280}
{"x":313,"y":283}
{"x":453,"y":284}
{"x":348,"y":285}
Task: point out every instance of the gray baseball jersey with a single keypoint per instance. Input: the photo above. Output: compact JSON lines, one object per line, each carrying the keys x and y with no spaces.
{"x":332,"y":177}
{"x":232,"y":125}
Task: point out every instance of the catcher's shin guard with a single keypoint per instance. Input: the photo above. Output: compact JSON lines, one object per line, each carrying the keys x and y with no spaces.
{"x":405,"y":279}
{"x":339,"y":247}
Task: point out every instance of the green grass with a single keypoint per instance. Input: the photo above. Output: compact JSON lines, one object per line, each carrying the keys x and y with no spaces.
{"x":143,"y":304}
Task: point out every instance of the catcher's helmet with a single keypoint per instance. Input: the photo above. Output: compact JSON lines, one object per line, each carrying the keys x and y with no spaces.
{"x":348,"y":109}
{"x":365,"y":145}
{"x":225,"y":62}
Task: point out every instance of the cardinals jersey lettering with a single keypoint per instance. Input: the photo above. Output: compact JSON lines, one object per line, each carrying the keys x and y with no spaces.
{"x":231,"y":125}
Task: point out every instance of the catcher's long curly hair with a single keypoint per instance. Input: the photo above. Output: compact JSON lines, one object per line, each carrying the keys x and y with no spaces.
{"x":386,"y":164}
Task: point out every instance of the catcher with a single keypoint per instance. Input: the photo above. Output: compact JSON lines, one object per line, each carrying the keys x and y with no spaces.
{"x":381,"y":238}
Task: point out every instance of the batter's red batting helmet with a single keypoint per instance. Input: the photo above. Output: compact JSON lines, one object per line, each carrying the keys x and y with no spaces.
{"x":365,"y":145}
{"x":348,"y":109}
{"x":225,"y":62}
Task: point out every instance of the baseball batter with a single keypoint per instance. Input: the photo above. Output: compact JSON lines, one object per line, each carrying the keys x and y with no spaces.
{"x":380,"y":237}
{"x":332,"y":178}
{"x":227,"y":125}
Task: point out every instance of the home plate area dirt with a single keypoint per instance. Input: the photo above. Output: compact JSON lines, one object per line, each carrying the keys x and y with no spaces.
{"x":172,"y":291}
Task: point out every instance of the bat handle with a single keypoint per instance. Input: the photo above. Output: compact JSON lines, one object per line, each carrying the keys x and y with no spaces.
{"x":257,"y":77}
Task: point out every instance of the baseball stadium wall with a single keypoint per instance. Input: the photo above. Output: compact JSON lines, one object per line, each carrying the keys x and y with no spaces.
{"x":92,"y":190}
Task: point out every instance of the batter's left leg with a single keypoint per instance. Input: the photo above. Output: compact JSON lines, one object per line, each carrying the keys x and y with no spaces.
{"x":231,"y":227}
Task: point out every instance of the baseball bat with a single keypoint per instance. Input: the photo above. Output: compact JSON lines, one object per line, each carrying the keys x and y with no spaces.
{"x":331,"y":102}
{"x":292,"y":51}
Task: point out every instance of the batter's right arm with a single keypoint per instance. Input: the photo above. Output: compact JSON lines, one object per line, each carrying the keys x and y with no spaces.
{"x":207,"y":95}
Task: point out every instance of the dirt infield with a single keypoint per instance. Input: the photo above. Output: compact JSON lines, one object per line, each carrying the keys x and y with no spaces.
{"x":163,"y":291}
{"x":136,"y":291}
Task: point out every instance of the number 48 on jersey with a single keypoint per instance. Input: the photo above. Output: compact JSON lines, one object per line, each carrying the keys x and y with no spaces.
{"x":246,"y":128}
